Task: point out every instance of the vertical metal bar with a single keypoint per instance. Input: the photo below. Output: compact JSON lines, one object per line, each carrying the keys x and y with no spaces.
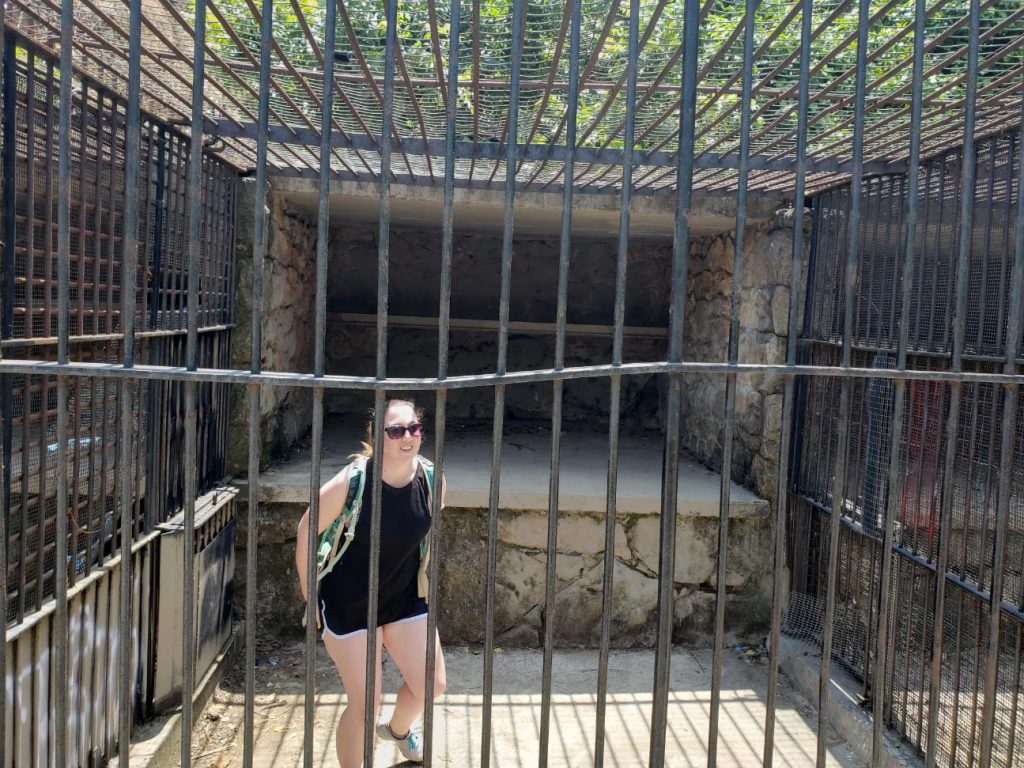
{"x":316,"y":450}
{"x":615,"y":405}
{"x":6,"y":328}
{"x":842,"y":429}
{"x":677,"y":310}
{"x":782,"y":487}
{"x":1014,"y":327}
{"x":725,"y":486}
{"x":511,"y":145}
{"x":440,"y":410}
{"x":882,"y":638}
{"x":128,"y":277}
{"x":959,"y":333}
{"x":60,"y":570}
{"x":160,"y":203}
{"x":195,"y":220}
{"x":254,"y":390}
{"x":5,"y":422}
{"x":564,"y":253}
{"x":383,"y":254}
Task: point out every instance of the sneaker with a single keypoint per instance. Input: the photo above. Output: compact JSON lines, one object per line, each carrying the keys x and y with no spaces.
{"x":409,"y":745}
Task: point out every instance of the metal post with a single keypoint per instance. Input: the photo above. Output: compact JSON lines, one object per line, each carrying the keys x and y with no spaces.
{"x":842,"y":429}
{"x":677,"y":309}
{"x":511,"y":144}
{"x":259,"y":245}
{"x":319,"y":355}
{"x":783,"y":481}
{"x":128,"y":279}
{"x":725,"y":486}
{"x":564,"y":253}
{"x":444,"y":320}
{"x":611,"y":500}
{"x":906,"y":283}
{"x":5,"y":430}
{"x":195,"y":217}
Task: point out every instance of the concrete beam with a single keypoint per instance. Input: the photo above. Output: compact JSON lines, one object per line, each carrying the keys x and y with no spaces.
{"x":536,"y":214}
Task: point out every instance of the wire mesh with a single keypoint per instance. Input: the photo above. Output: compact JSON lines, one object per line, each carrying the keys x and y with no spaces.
{"x":916,"y":499}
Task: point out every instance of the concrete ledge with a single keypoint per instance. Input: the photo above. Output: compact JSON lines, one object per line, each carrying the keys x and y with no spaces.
{"x":524,"y":475}
{"x":800,"y":661}
{"x":157,"y":744}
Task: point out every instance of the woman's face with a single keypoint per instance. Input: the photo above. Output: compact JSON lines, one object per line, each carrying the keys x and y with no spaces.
{"x":405,"y":447}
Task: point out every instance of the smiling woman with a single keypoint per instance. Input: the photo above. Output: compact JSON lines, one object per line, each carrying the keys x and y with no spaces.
{"x":343,"y":579}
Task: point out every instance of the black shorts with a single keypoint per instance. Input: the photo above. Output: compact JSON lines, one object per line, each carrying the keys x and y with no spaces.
{"x":341,"y":620}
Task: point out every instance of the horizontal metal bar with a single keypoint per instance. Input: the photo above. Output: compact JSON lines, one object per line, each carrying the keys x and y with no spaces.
{"x":495,"y":150}
{"x":50,"y":341}
{"x":329,"y":381}
{"x":919,"y":560}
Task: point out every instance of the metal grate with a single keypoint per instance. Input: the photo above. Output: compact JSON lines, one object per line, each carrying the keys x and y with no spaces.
{"x":866,"y":500}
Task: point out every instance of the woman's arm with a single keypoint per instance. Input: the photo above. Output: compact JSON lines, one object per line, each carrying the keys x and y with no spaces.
{"x":332,"y":498}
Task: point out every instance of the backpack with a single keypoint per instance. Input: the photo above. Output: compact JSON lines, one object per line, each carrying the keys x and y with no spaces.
{"x":336,"y":538}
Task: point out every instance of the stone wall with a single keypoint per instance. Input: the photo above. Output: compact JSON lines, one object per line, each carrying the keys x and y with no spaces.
{"x":520,"y":577}
{"x":764,"y":325}
{"x":414,"y":290}
{"x":287,"y":325}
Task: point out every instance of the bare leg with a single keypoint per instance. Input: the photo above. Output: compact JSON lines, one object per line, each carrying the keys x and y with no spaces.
{"x":406,"y":641}
{"x":349,"y":656}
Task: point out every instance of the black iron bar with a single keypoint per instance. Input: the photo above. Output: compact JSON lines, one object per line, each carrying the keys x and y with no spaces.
{"x":7,"y":261}
{"x":670,"y":466}
{"x":441,"y":399}
{"x":195,"y":246}
{"x":842,"y":428}
{"x":959,"y":330}
{"x":615,"y":405}
{"x":906,"y":284}
{"x":319,"y":355}
{"x":259,"y":245}
{"x":511,"y":143}
{"x":564,"y":254}
{"x":725,"y":485}
{"x":1014,"y":326}
{"x":784,"y":480}
{"x":60,"y":570}
{"x":383,"y":258}
{"x":6,"y":298}
{"x":129,"y":267}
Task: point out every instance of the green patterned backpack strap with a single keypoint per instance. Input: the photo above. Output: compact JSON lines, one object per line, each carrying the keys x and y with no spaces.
{"x":337,"y":537}
{"x":428,"y":470}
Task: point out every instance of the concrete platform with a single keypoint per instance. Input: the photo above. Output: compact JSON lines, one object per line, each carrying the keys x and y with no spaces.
{"x":516,"y":713}
{"x":525,"y":470}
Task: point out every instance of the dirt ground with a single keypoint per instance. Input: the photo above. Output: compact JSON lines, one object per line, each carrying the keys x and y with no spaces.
{"x":279,"y":712}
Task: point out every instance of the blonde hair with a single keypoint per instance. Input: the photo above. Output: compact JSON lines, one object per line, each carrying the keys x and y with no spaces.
{"x":367,"y":443}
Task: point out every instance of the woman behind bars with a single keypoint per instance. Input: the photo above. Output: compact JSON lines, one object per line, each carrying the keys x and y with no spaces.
{"x":401,"y":607}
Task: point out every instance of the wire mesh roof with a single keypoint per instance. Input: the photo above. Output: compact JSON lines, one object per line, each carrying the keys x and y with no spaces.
{"x":484,"y":92}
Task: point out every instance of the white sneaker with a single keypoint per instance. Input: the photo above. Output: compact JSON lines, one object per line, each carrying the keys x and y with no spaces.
{"x":409,"y":745}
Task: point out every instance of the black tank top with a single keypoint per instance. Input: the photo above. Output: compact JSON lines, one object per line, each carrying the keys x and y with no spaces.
{"x":405,"y":522}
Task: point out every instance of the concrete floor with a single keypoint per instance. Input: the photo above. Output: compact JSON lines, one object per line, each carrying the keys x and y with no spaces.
{"x":517,"y":709}
{"x":525,"y":465}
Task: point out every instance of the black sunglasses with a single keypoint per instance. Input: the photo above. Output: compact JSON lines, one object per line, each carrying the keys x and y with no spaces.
{"x":397,"y":431}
